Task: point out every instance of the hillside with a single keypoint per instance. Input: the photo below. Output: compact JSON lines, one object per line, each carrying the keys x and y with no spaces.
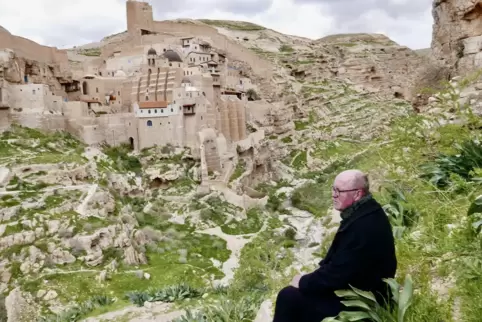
{"x":108,"y":234}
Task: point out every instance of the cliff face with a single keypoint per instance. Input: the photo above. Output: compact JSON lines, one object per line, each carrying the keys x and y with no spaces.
{"x":457,"y":34}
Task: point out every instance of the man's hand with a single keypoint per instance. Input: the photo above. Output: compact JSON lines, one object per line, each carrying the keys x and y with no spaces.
{"x":296,"y":280}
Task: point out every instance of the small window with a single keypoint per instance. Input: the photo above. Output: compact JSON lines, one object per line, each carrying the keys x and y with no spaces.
{"x":172,"y":110}
{"x":162,"y":110}
{"x":201,"y":118}
{"x":155,"y":111}
{"x":179,"y":108}
{"x":147,"y":98}
{"x":96,"y":89}
{"x":149,"y":111}
{"x":149,"y":123}
{"x":118,"y":92}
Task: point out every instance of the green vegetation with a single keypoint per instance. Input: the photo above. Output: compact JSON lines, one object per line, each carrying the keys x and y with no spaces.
{"x":21,"y":145}
{"x":240,"y":168}
{"x":286,"y":48}
{"x":123,"y":162}
{"x":233,"y":25}
{"x":94,"y":52}
{"x":167,"y":294}
{"x":428,"y":179}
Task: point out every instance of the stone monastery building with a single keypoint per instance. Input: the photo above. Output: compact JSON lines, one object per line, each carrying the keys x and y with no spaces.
{"x":162,"y":83}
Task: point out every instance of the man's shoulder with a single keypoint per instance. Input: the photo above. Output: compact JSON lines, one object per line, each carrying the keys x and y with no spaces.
{"x":370,"y":214}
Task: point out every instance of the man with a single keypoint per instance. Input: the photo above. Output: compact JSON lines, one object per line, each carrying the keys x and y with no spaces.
{"x":361,"y":255}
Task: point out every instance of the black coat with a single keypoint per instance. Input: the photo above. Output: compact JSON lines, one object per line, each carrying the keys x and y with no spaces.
{"x":362,"y":253}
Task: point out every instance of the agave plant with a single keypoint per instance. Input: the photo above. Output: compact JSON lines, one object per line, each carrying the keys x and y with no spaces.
{"x":475,"y":213}
{"x":400,"y":214}
{"x":468,"y":158}
{"x":227,"y":310}
{"x":368,"y":309}
{"x":167,"y":294}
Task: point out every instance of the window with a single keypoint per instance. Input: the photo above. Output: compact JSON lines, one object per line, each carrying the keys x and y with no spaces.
{"x":118,"y":92}
{"x":201,"y":118}
{"x":149,"y":123}
{"x":33,"y":91}
{"x":162,"y":111}
{"x":149,"y":111}
{"x":96,"y":89}
{"x":155,"y":111}
{"x":147,"y":98}
{"x":172,"y":110}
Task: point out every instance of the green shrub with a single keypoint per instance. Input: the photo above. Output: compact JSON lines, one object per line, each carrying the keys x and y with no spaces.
{"x":467,"y":158}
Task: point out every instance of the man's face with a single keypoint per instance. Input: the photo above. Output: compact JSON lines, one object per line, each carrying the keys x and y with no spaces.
{"x":344,"y":195}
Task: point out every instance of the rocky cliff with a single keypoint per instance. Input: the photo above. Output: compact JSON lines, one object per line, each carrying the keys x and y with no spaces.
{"x":457,"y":34}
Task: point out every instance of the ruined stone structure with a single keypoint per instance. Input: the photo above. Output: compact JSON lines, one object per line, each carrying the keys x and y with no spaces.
{"x":457,"y":34}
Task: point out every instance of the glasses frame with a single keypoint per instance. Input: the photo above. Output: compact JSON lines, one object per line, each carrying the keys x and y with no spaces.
{"x":337,"y":191}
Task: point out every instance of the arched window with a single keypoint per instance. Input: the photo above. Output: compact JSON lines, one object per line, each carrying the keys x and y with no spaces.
{"x":85,"y":88}
{"x":149,"y":123}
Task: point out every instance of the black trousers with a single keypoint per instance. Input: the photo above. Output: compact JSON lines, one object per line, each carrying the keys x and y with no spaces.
{"x":293,"y":306}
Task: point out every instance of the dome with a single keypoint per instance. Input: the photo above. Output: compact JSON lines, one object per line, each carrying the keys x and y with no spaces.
{"x":186,"y":80}
{"x":171,"y":55}
{"x":120,"y":73}
{"x":152,"y":51}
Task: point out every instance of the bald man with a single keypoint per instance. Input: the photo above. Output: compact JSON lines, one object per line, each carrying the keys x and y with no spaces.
{"x":361,"y":255}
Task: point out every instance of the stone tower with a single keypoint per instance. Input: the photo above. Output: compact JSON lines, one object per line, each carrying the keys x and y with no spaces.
{"x":140,"y":20}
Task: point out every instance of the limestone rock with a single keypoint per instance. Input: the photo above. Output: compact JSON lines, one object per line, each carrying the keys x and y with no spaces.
{"x":21,"y":307}
{"x":264,"y":312}
{"x":61,"y":257}
{"x":133,"y":257}
{"x":51,"y":295}
{"x":456,"y":39}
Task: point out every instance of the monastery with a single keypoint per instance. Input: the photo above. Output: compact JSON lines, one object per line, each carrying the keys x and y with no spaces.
{"x":164,"y":83}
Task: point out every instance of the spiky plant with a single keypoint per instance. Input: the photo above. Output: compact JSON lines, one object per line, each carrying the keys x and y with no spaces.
{"x":368,"y":309}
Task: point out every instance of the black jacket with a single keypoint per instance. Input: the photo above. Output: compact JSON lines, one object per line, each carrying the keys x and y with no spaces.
{"x":362,"y":253}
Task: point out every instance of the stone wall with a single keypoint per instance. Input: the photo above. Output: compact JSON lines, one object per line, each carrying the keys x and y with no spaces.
{"x":29,"y":49}
{"x":113,"y":129}
{"x":34,"y":98}
{"x":5,"y":120}
{"x":41,"y":121}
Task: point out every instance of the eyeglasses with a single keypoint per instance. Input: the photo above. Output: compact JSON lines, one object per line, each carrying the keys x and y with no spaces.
{"x":336,"y":192}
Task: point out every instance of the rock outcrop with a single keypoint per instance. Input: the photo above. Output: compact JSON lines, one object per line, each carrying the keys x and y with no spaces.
{"x":457,"y":34}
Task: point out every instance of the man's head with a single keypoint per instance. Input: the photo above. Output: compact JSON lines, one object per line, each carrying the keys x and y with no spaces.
{"x":349,"y":187}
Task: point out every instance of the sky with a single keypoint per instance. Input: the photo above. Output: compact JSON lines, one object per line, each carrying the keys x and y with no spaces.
{"x":65,"y":24}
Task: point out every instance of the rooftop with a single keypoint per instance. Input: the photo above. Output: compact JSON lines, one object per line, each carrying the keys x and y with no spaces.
{"x":156,"y":104}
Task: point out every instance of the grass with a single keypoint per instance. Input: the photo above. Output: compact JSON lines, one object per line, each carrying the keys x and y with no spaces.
{"x":233,"y":25}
